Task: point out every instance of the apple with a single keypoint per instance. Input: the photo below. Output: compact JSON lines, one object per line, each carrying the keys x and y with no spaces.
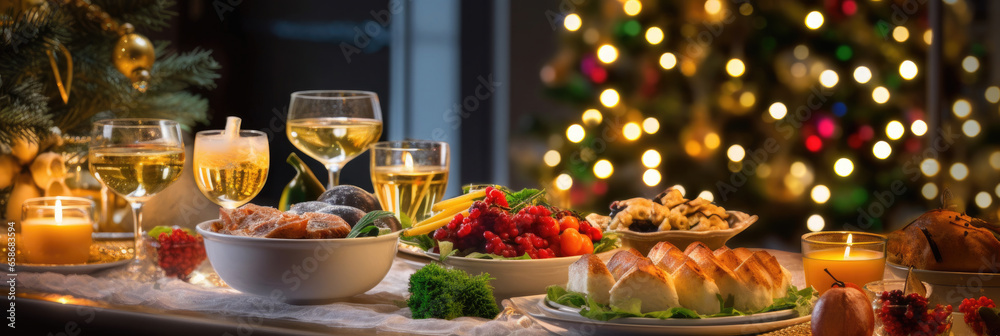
{"x":843,"y":311}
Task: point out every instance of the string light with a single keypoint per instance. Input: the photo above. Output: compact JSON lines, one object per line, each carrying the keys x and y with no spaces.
{"x":930,"y":167}
{"x":575,"y":133}
{"x":680,"y":189}
{"x":814,"y":20}
{"x":918,"y":127}
{"x":828,"y":78}
{"x":993,"y":94}
{"x":631,"y":131}
{"x":798,"y":169}
{"x":820,"y":194}
{"x":929,"y":191}
{"x":971,"y":128}
{"x":651,"y":177}
{"x":603,"y":169}
{"x":668,"y":60}
{"x":564,"y":182}
{"x":959,"y":171}
{"x":880,"y":95}
{"x":862,"y":74}
{"x":983,"y":199}
{"x":736,"y":153}
{"x":633,"y":7}
{"x":928,"y":36}
{"x":609,"y":97}
{"x":713,"y":7}
{"x":572,"y":22}
{"x":592,"y":117}
{"x":961,"y":108}
{"x":900,"y":34}
{"x":970,"y":64}
{"x":712,"y":140}
{"x":650,"y":125}
{"x":747,"y":99}
{"x":882,"y":150}
{"x":894,"y":130}
{"x":843,"y":167}
{"x":607,"y":53}
{"x":654,"y":35}
{"x":777,"y":110}
{"x":908,"y":70}
{"x":995,"y":161}
{"x":815,"y":223}
{"x":552,"y":158}
{"x":651,"y":158}
{"x":735,"y":67}
{"x":997,"y":190}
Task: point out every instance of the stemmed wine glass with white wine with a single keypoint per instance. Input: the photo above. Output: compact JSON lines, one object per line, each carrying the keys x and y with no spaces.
{"x":136,"y":158}
{"x":230,"y":165}
{"x":334,"y":126}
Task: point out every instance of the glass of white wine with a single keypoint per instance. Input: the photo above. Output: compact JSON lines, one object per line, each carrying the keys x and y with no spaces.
{"x":410,"y":175}
{"x":334,"y":126}
{"x":136,"y":158}
{"x":230,"y":171}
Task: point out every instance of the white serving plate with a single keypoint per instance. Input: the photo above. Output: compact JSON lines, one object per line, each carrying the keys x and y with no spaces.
{"x":567,"y":311}
{"x":569,"y":324}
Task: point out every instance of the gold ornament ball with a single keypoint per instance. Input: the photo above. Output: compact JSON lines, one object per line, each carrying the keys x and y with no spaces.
{"x":133,"y":54}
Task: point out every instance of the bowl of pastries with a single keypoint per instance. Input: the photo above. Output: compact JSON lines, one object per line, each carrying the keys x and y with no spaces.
{"x":955,"y":253}
{"x":642,"y":223}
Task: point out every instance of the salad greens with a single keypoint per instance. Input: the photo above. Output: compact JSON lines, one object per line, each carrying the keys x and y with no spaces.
{"x":366,"y":225}
{"x":799,"y":300}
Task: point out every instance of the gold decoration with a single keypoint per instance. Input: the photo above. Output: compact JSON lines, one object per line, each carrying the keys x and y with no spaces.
{"x":134,"y":56}
{"x":64,"y":88}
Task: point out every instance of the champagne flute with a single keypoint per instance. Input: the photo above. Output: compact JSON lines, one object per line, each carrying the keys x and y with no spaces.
{"x":334,"y":126}
{"x":410,"y":176}
{"x":230,"y":171}
{"x":136,"y":158}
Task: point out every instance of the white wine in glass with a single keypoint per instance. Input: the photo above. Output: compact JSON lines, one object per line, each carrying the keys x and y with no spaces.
{"x":136,"y":159}
{"x":410,"y":176}
{"x":230,"y":171}
{"x":333,"y":127}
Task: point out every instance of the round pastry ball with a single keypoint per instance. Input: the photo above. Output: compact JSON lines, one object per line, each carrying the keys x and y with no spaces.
{"x":351,"y":215}
{"x":350,"y":196}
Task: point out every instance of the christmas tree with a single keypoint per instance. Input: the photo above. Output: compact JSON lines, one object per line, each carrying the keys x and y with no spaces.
{"x":64,"y":64}
{"x":809,"y":114}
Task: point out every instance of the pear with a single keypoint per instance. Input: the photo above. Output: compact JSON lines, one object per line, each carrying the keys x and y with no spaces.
{"x":24,"y":188}
{"x":843,"y":311}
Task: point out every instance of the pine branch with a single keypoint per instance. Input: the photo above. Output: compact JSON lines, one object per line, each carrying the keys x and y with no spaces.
{"x":24,"y":40}
{"x":23,"y":109}
{"x":167,"y":105}
{"x":178,"y":71}
{"x":151,"y":15}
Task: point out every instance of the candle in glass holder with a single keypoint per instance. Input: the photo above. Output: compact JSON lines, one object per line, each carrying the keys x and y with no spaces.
{"x":856,"y":257}
{"x":410,"y":176}
{"x":54,"y":233}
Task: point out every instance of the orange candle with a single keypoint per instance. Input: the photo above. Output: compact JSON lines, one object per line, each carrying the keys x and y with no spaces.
{"x":56,"y":240}
{"x":859,"y":262}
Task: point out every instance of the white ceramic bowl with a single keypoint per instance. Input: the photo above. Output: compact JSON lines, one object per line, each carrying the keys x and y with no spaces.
{"x":299,"y":271}
{"x":644,"y":241}
{"x":952,"y":287}
{"x":513,"y":278}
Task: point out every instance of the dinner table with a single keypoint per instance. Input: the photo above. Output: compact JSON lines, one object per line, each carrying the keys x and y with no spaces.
{"x":106,"y":301}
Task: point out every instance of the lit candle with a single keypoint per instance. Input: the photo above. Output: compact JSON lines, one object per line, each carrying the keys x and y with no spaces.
{"x":56,"y":239}
{"x":863,"y":263}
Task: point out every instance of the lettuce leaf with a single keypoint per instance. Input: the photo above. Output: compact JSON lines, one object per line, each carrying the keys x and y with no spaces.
{"x":801,"y":301}
{"x":479,"y":255}
{"x":609,"y":241}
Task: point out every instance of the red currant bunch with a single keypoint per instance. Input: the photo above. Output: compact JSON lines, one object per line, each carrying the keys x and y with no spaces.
{"x":970,"y":307}
{"x":902,"y":315}
{"x":179,"y":253}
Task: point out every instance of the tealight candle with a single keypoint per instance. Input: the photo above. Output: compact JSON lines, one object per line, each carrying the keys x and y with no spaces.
{"x":57,"y":230}
{"x":856,"y":257}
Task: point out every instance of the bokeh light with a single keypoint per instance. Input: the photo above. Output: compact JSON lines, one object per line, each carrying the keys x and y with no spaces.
{"x":971,"y":128}
{"x":668,"y":60}
{"x":983,"y":199}
{"x":993,"y":94}
{"x":882,"y":150}
{"x":650,"y":125}
{"x":736,"y":153}
{"x":862,"y":74}
{"x":843,"y":167}
{"x":572,"y":22}
{"x":880,"y":95}
{"x":632,"y":7}
{"x":929,"y":191}
{"x":778,"y":110}
{"x":575,"y":133}
{"x":592,"y":117}
{"x":959,"y":171}
{"x":609,"y":97}
{"x":603,"y":169}
{"x":707,"y":195}
{"x":607,"y":53}
{"x":970,"y":64}
{"x":815,"y":223}
{"x":894,"y":130}
{"x":930,"y":167}
{"x":900,"y":34}
{"x":552,"y":158}
{"x":564,"y":182}
{"x":961,"y":108}
{"x":814,"y":20}
{"x":735,"y":67}
{"x":651,"y":158}
{"x":918,"y":127}
{"x":654,"y":35}
{"x":651,"y":177}
{"x":828,"y":78}
{"x":908,"y":69}
{"x":820,"y":194}
{"x":631,"y":131}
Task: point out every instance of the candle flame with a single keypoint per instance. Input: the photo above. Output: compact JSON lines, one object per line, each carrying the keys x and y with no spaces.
{"x":407,"y":161}
{"x":850,"y":240}
{"x":58,"y":212}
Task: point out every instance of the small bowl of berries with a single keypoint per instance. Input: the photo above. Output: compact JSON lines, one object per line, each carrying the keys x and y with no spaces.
{"x":177,"y":251}
{"x":899,"y":314}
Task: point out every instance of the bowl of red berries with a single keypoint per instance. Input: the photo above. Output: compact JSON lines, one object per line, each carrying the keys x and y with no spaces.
{"x":521,"y":241}
{"x":899,"y":314}
{"x":177,"y":251}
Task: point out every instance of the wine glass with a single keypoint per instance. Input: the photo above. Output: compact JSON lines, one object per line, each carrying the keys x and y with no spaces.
{"x":136,"y":158}
{"x":334,"y":126}
{"x":230,"y":171}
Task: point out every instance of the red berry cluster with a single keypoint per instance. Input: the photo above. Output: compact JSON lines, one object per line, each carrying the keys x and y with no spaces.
{"x":489,"y":228}
{"x":903,"y":315}
{"x":970,"y":307}
{"x":179,"y":253}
